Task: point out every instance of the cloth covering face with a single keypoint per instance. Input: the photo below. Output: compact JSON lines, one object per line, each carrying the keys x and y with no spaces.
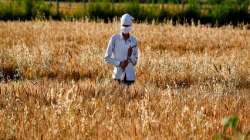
{"x":126,"y":23}
{"x":126,"y":29}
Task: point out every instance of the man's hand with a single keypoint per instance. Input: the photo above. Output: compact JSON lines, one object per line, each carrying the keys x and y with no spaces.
{"x":124,"y":64}
{"x":129,"y":51}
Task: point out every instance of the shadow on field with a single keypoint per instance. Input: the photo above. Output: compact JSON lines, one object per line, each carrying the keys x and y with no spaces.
{"x":8,"y":74}
{"x":209,"y":82}
{"x":14,"y":74}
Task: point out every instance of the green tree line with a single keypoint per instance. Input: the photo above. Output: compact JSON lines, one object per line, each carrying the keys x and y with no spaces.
{"x":155,"y":1}
{"x":217,"y":13}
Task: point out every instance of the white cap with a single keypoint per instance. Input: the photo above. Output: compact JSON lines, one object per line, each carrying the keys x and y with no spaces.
{"x":126,"y":19}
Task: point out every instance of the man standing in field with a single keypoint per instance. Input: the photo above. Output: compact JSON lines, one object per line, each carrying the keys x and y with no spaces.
{"x":122,"y":52}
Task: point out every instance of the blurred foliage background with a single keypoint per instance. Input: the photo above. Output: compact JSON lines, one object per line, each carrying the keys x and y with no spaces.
{"x":213,"y":12}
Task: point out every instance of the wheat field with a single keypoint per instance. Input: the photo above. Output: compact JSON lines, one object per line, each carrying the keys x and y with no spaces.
{"x":55,"y":84}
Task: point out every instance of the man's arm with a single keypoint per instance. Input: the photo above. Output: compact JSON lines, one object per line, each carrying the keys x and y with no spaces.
{"x":134,"y":55}
{"x":108,"y":54}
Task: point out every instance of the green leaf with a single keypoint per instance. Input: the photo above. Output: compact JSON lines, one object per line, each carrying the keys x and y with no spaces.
{"x":230,"y":122}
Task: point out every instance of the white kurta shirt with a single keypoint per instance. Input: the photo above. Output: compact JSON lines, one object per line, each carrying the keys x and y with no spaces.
{"x":117,"y":52}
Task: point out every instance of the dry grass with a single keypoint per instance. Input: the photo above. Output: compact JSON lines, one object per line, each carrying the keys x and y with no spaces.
{"x":189,"y":78}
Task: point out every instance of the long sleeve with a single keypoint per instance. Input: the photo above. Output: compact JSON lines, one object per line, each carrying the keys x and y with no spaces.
{"x":134,"y":56}
{"x":108,"y":55}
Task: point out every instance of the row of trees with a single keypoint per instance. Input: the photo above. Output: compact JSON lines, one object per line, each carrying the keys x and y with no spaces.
{"x":158,"y":1}
{"x":228,"y":12}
